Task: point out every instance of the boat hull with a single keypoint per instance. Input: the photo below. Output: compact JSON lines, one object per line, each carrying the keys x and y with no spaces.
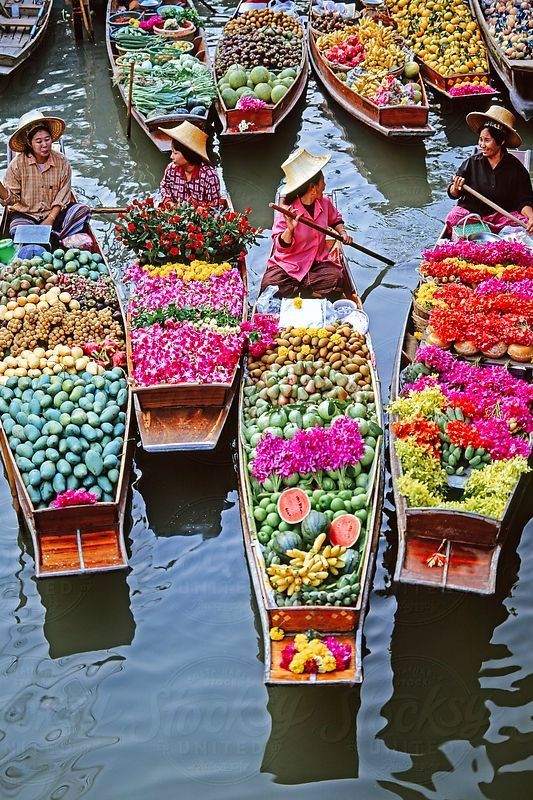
{"x":17,"y":44}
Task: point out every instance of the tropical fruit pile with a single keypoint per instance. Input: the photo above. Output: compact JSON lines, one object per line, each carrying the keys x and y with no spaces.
{"x":369,"y":57}
{"x":312,"y":440}
{"x":258,"y":83}
{"x":511,"y":24}
{"x":444,"y":35}
{"x":63,"y":394}
{"x":258,"y":57}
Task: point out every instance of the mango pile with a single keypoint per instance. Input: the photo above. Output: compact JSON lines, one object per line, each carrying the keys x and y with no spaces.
{"x":511,"y":24}
{"x":443,"y":34}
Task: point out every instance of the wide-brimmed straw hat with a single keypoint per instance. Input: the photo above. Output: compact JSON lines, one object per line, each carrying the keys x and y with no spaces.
{"x":191,"y":137}
{"x":300,"y":167}
{"x":498,"y":117}
{"x":30,"y":120}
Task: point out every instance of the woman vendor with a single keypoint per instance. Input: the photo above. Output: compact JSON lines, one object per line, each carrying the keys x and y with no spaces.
{"x":189,"y":176}
{"x":301,"y":261}
{"x":37,"y":183}
{"x":494,"y":173}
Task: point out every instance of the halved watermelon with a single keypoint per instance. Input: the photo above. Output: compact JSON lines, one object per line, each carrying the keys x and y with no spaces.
{"x":345,"y":530}
{"x":293,"y":505}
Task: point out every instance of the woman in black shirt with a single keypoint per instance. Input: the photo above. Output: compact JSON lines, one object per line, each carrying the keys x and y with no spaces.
{"x":493,"y":172}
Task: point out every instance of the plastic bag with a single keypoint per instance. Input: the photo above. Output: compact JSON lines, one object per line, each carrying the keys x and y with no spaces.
{"x":267,"y":303}
{"x":30,"y":251}
{"x":80,"y":240}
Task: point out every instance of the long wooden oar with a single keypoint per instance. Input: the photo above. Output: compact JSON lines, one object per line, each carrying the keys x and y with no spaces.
{"x":496,"y":207}
{"x":332,"y":233}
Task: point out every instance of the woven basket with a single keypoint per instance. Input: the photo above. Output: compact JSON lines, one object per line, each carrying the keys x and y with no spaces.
{"x":187,"y":32}
{"x":420,"y":310}
{"x":420,"y":323}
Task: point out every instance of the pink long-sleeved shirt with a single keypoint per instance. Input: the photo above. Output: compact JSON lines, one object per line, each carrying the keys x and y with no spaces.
{"x":307,"y":245}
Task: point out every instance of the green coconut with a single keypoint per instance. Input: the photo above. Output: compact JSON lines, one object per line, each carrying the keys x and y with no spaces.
{"x":243,"y":91}
{"x":237,"y":78}
{"x":411,"y":70}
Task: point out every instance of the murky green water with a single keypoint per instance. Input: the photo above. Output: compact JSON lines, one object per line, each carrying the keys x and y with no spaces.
{"x":148,"y":685}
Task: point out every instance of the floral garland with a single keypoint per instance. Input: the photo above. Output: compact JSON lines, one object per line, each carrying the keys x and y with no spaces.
{"x":491,"y":253}
{"x":261,"y":331}
{"x":310,"y":451}
{"x":309,"y":654}
{"x":195,"y":271}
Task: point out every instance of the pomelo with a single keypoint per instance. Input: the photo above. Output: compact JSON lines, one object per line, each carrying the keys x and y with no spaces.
{"x":411,"y":69}
{"x":230,"y":98}
{"x":237,"y":78}
{"x":277,"y":93}
{"x":259,"y":75}
{"x":293,"y":505}
{"x":263,"y":92}
{"x":345,"y":530}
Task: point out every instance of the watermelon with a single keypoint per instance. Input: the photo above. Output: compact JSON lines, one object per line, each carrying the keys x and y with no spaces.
{"x":313,"y":525}
{"x":286,"y":540}
{"x":293,"y":505}
{"x":345,"y":530}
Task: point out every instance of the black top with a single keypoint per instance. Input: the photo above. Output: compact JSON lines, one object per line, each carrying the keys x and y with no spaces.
{"x":508,"y":185}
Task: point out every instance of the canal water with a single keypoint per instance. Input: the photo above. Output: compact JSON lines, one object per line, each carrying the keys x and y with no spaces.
{"x":148,"y":685}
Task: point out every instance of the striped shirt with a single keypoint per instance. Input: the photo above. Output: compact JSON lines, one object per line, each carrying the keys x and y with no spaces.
{"x":35,"y":188}
{"x":204,"y":185}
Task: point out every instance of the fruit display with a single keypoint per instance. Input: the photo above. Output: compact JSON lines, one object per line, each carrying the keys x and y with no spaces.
{"x":265,"y":38}
{"x":511,"y":24}
{"x":461,"y":433}
{"x":368,"y":56}
{"x":258,"y":83}
{"x":479,"y":299}
{"x":311,"y":439}
{"x":62,"y":400}
{"x":329,"y":21}
{"x":445,"y":36}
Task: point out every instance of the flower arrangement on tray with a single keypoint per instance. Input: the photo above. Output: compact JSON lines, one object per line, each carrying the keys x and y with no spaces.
{"x":308,"y":653}
{"x":187,"y":294}
{"x":455,"y":419}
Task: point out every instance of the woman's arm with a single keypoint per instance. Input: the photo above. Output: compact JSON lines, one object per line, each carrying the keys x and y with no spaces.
{"x":336,"y":222}
{"x":212,"y":187}
{"x":527,"y":211}
{"x":64,"y":191}
{"x":455,"y":188}
{"x":10,"y":188}
{"x":165,"y":189}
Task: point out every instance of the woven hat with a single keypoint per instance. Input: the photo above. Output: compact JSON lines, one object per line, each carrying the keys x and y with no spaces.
{"x":189,"y":136}
{"x":498,"y":117}
{"x":30,"y":120}
{"x":300,"y":167}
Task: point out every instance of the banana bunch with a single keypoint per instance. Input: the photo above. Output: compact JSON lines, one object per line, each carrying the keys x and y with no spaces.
{"x":368,"y":85}
{"x":329,"y":40}
{"x":307,"y":568}
{"x":381,"y":49}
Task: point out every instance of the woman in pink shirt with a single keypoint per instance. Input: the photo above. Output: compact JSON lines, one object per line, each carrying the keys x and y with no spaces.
{"x":301,"y":262}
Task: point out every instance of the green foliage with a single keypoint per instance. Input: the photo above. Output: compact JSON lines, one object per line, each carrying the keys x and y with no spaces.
{"x":420,"y":465}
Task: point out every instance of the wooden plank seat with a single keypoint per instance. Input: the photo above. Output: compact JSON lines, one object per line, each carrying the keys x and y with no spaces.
{"x":6,"y":22}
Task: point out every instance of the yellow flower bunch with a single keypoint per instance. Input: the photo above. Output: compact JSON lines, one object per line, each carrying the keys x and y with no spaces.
{"x":195,"y":271}
{"x":424,"y":296}
{"x":298,"y":302}
{"x":277,"y":634}
{"x":305,"y":349}
{"x":335,"y":338}
{"x":315,"y":649}
{"x":283,"y":351}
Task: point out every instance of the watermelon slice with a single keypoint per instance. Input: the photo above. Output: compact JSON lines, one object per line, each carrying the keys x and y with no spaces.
{"x":293,"y":505}
{"x":345,"y":530}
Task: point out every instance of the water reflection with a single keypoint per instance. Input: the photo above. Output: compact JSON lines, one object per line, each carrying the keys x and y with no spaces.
{"x":86,"y":613}
{"x":313,"y":736}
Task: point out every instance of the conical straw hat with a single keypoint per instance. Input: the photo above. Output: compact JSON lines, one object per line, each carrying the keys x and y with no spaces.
{"x":189,"y":136}
{"x":503,"y":119}
{"x":300,"y":167}
{"x":30,"y":120}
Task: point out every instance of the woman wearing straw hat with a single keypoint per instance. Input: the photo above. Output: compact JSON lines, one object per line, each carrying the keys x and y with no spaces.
{"x":189,"y":176}
{"x":301,"y":261}
{"x":494,"y":173}
{"x":37,"y":184}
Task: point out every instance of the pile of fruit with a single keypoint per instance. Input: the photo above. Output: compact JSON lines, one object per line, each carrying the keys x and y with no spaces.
{"x":257,"y":61}
{"x":511,"y":24}
{"x":329,"y":21}
{"x":258,"y":83}
{"x":463,"y":428}
{"x":444,"y":35}
{"x":311,"y":440}
{"x":62,"y":411}
{"x":371,"y":60}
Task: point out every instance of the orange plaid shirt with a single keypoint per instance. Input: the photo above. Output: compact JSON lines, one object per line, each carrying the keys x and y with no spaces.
{"x":34,"y":192}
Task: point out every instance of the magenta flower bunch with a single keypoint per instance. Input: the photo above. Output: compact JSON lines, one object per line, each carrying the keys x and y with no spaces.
{"x":465,"y":89}
{"x":73,"y":497}
{"x":341,"y":652}
{"x":314,"y":450}
{"x":522,"y":289}
{"x":261,"y":332}
{"x":249,"y":103}
{"x":182,"y":353}
{"x":491,"y":253}
{"x":220,"y":292}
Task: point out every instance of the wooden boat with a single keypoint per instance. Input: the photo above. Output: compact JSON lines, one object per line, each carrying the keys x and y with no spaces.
{"x":265,"y":121}
{"x":78,"y":539}
{"x":151,"y":126}
{"x":345,"y":623}
{"x":394,"y":122}
{"x":20,"y":36}
{"x":182,"y":416}
{"x":516,"y":74}
{"x":473,"y":542}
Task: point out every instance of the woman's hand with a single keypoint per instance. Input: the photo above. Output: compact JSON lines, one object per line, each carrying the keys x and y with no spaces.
{"x":288,"y":233}
{"x":456,"y":189}
{"x":4,"y":194}
{"x":346,"y":238}
{"x":529,"y":228}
